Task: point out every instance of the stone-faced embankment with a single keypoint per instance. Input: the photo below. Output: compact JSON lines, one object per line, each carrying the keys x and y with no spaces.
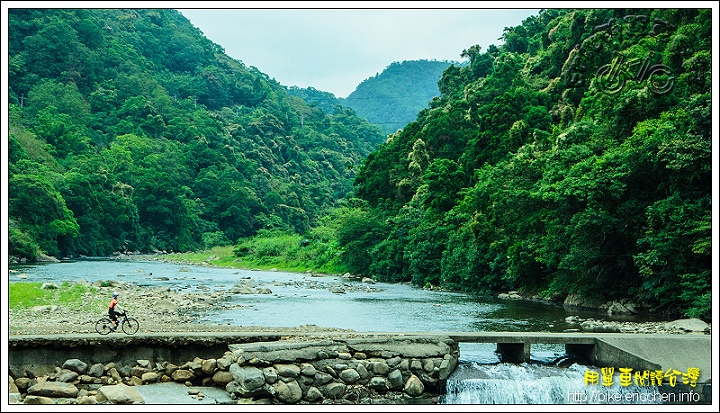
{"x":319,"y":369}
{"x":332,"y":370}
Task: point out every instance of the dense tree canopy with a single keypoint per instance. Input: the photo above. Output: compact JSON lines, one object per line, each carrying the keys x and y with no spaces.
{"x":573,"y":159}
{"x":130,"y":131}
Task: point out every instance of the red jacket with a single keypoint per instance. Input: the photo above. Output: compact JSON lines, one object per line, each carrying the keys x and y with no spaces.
{"x":113,"y":303}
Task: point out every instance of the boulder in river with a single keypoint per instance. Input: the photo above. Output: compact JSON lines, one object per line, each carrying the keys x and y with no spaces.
{"x":688,"y":324}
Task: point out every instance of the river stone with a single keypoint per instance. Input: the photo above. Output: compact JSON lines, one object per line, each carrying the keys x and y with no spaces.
{"x":181,"y":375}
{"x":67,"y":376}
{"x":349,"y":376}
{"x":23,"y":383}
{"x":394,"y":361}
{"x":96,"y":370}
{"x":322,"y":378}
{"x":209,"y":366}
{"x":12,"y":387}
{"x":337,"y":290}
{"x":224,"y":362}
{"x":86,"y":400}
{"x":429,"y":365}
{"x":687,"y":324}
{"x":287,"y":370}
{"x":119,"y":394}
{"x":138,"y":371}
{"x":75,"y":365}
{"x":31,"y":399}
{"x":145,"y":363}
{"x":49,"y":286}
{"x":241,"y":290}
{"x":287,"y":392}
{"x":414,"y":386}
{"x":112,"y":372}
{"x":271,"y":375}
{"x":331,"y":371}
{"x":150,"y":377}
{"x":598,"y":327}
{"x":395,"y":379}
{"x":222,"y":377}
{"x":379,"y":368}
{"x":195,"y":365}
{"x":364,"y":374}
{"x":248,"y":379}
{"x":379,"y":384}
{"x":617,"y":308}
{"x":53,"y":389}
{"x":307,"y":369}
{"x":334,"y":390}
{"x":313,"y":394}
{"x":573,"y":300}
{"x":86,"y":379}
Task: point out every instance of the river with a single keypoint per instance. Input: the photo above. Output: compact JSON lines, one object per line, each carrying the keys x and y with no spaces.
{"x":306,"y":299}
{"x":302,"y":299}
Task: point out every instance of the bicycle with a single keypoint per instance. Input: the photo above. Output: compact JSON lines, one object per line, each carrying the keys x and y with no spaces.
{"x":611,"y":78}
{"x":128,"y":324}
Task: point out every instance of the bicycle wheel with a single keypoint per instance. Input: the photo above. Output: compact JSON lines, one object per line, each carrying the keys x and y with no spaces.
{"x":103,"y":326}
{"x":130,"y":326}
{"x":607,"y":81}
{"x":660,"y":80}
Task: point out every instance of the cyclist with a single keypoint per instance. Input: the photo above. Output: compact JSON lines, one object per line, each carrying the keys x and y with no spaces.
{"x":114,"y":309}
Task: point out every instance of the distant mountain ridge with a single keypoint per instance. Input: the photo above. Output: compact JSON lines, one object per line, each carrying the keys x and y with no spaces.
{"x":390,"y":99}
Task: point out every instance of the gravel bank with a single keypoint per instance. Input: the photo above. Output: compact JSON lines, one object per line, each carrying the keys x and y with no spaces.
{"x":157,"y":310}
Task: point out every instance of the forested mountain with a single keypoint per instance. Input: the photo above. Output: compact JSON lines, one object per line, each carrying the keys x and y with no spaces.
{"x":573,"y":159}
{"x":393,"y":98}
{"x":390,"y":99}
{"x":129,"y":130}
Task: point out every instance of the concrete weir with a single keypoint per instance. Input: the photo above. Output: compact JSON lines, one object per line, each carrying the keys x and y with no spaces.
{"x":315,"y":366}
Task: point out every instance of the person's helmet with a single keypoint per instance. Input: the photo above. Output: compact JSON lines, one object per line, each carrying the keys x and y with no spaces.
{"x":114,"y":295}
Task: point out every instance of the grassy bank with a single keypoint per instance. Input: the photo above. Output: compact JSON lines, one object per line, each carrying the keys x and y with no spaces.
{"x":24,"y":295}
{"x":268,"y":250}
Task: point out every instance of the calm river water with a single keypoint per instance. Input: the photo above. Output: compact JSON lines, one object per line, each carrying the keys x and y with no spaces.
{"x":302,"y":299}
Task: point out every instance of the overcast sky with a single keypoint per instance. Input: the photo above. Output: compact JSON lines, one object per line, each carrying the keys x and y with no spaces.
{"x":335,"y":49}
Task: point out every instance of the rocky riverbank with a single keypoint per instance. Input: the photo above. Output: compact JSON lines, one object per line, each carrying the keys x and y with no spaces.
{"x":158,"y":310}
{"x":161,"y":309}
{"x":608,"y":309}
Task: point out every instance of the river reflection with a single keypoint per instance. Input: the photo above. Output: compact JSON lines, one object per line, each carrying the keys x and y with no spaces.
{"x":325,"y":301}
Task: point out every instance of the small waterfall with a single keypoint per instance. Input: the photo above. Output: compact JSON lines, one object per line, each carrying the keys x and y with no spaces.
{"x":482,"y":379}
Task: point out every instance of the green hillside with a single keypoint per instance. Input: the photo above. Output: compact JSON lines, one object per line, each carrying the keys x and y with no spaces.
{"x":573,"y":159}
{"x":390,"y":99}
{"x":130,"y":131}
{"x":393,"y":98}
